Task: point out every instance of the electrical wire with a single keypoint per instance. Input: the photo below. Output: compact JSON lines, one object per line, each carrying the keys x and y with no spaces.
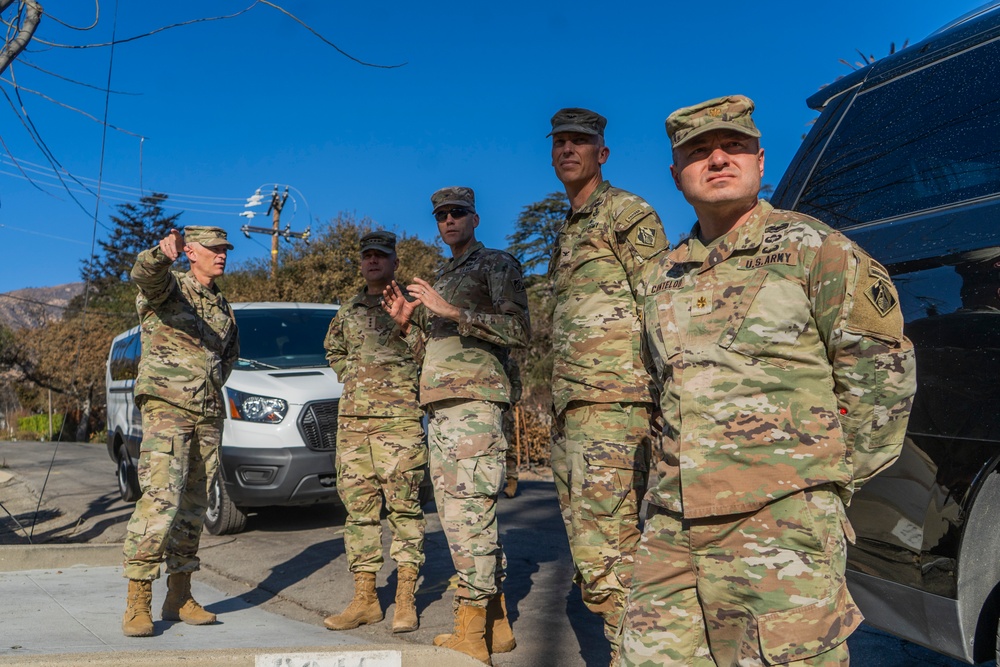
{"x":93,"y":242}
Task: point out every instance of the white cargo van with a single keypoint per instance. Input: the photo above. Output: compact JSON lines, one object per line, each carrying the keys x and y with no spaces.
{"x":280,"y":430}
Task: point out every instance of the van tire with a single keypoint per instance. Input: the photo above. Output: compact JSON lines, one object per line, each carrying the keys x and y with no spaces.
{"x":128,"y":478}
{"x":223,"y":517}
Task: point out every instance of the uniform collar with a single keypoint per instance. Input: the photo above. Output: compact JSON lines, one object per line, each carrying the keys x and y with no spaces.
{"x":359,"y":298}
{"x":211,"y":293}
{"x":595,"y":198}
{"x":748,"y":236}
{"x":456,"y":262}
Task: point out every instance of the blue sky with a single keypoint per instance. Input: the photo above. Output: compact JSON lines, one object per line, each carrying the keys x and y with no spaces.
{"x":228,"y":106}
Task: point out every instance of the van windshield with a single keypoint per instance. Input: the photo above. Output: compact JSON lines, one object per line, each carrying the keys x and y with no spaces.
{"x":282,"y":337}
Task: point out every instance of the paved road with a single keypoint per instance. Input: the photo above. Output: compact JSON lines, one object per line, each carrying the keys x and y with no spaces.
{"x":291,"y":560}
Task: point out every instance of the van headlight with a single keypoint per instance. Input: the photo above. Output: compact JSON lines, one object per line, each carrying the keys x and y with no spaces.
{"x":253,"y":408}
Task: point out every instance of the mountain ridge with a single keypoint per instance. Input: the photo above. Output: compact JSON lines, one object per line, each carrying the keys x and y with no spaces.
{"x":32,"y":307}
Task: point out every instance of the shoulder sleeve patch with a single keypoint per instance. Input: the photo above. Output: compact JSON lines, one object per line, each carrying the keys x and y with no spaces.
{"x":875,"y":307}
{"x":632,"y":214}
{"x":646,"y":236}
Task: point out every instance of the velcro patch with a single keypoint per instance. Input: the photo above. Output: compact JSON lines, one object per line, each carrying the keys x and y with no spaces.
{"x":875,"y":308}
{"x":645,"y":236}
{"x":701,"y":303}
{"x":881,"y":296}
{"x":665,"y":285}
{"x":763,"y":260}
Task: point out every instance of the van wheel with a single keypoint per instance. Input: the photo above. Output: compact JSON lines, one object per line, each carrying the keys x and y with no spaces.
{"x":223,"y":517}
{"x":128,"y":478}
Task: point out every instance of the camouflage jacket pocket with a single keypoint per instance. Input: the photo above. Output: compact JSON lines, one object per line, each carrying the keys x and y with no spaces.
{"x":767,"y":319}
{"x":616,"y":456}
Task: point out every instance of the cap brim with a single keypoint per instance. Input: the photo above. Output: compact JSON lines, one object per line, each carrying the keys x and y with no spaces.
{"x":715,"y":127}
{"x":381,"y":248}
{"x":582,"y":129}
{"x":216,"y":243}
{"x":454,"y":202}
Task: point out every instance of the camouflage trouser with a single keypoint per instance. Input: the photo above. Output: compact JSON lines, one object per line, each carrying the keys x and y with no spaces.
{"x":376,"y":457}
{"x":467,"y":468}
{"x":600,"y":456}
{"x":510,"y":437}
{"x":752,"y":589}
{"x":177,"y":461}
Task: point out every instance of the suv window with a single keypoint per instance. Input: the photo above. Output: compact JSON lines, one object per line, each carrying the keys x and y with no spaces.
{"x":923,"y":140}
{"x":282,"y":337}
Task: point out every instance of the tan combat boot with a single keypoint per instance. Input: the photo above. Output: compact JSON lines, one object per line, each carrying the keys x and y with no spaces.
{"x":499,"y":634}
{"x":138,"y":620}
{"x":404,"y":619}
{"x":180,"y":606}
{"x":469,"y":636}
{"x":511,"y":489}
{"x":364,"y":607}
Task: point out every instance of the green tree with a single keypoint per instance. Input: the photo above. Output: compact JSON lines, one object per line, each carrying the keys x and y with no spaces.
{"x":135,"y":227}
{"x":533,"y":242}
{"x":536,"y":231}
{"x":535,"y":360}
{"x":326,"y":270}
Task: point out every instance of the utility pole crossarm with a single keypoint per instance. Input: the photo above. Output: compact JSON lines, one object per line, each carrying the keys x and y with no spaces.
{"x":274,"y":209}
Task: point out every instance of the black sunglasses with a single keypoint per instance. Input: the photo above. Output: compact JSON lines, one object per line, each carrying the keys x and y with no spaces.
{"x":456,"y":213}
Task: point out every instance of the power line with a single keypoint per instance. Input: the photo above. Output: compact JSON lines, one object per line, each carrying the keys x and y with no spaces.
{"x":46,"y":170}
{"x":51,"y":236}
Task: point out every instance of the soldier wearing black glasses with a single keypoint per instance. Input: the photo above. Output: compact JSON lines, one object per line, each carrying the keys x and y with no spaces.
{"x":474,"y":313}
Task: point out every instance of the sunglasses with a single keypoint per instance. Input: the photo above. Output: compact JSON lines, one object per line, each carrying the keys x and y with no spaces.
{"x":456,"y":213}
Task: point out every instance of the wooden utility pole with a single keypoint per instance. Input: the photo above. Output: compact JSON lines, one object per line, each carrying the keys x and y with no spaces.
{"x":274,"y":210}
{"x":277,"y":203}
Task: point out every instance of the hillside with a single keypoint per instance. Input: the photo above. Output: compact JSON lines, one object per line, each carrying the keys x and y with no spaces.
{"x":32,"y":306}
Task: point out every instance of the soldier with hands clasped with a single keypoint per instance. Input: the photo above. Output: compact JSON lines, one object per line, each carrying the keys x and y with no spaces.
{"x":785,"y":381}
{"x":602,"y":392}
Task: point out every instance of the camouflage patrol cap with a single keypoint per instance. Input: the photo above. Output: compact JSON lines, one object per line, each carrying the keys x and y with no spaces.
{"x":454,"y":196}
{"x":209,"y":237}
{"x":578,"y":120}
{"x":381,"y":240}
{"x":722,"y":113}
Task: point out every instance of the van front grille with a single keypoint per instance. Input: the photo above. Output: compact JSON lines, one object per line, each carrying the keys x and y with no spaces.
{"x":318,"y":425}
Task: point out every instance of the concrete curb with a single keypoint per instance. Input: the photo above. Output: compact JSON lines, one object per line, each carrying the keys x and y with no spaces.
{"x":17,"y":557}
{"x":322,"y":656}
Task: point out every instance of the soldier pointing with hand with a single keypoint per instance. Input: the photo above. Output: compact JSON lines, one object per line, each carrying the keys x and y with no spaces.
{"x":189,"y":346}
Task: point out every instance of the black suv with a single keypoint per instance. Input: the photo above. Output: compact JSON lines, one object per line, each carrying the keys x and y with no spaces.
{"x":905,"y":160}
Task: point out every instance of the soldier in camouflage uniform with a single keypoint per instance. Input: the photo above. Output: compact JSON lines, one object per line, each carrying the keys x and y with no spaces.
{"x":189,"y":346}
{"x":603,"y":401}
{"x":472,"y":315}
{"x":785,"y":382}
{"x":380,"y":443}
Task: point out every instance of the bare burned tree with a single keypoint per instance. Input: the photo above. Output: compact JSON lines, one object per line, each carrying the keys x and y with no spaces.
{"x":28,"y":16}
